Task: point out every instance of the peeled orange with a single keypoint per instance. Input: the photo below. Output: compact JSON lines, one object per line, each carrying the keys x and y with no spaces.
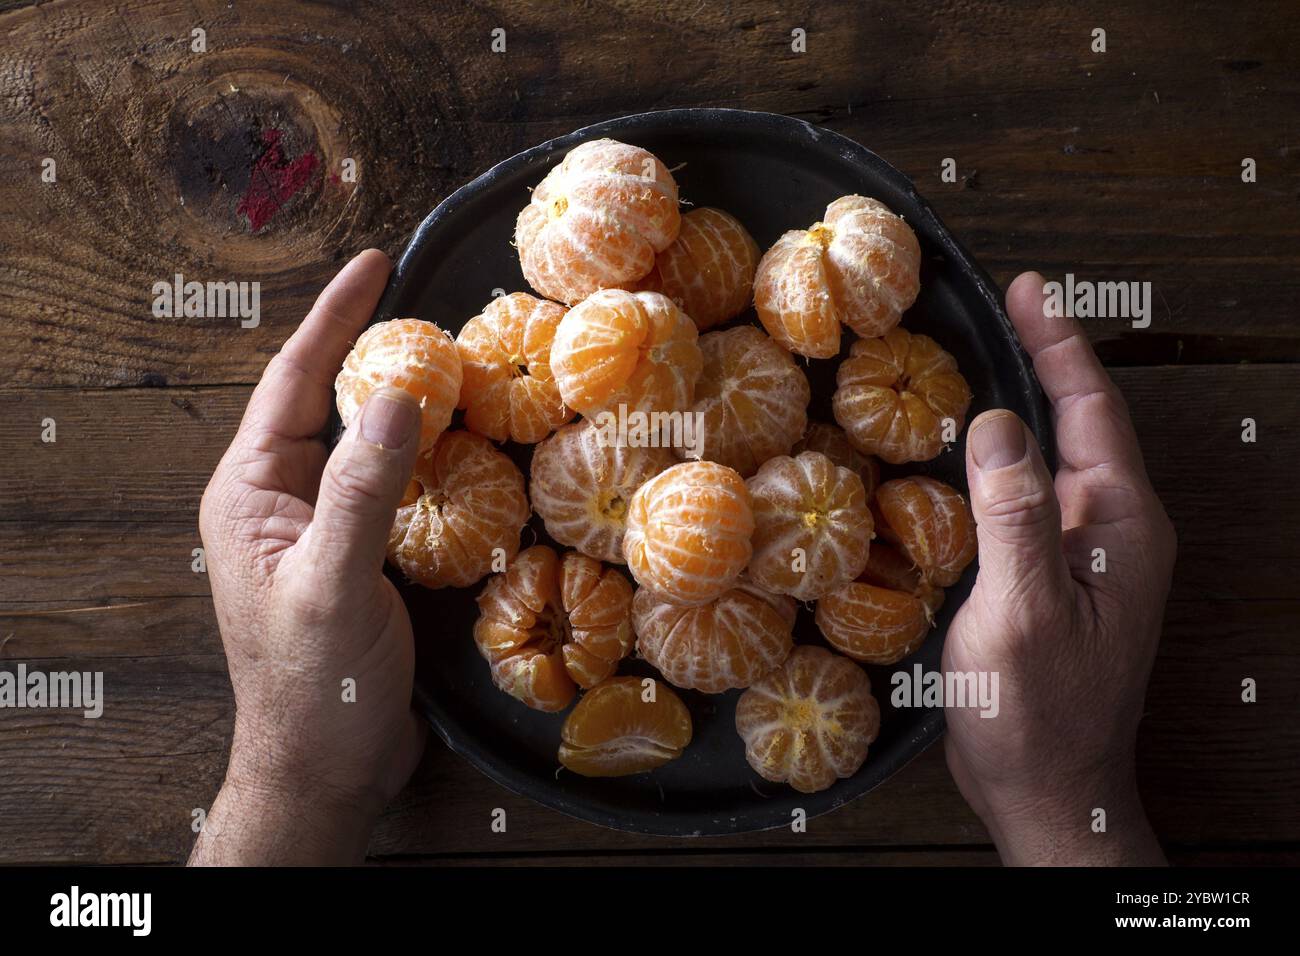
{"x":729,"y":642}
{"x":634,"y":349}
{"x":812,"y":526}
{"x":410,"y":354}
{"x":549,"y":625}
{"x":860,"y":267}
{"x":884,"y":615}
{"x":810,"y":721}
{"x":709,"y":269}
{"x":831,"y":441}
{"x":508,"y":391}
{"x":931,"y":523}
{"x":597,"y":221}
{"x":582,"y":486}
{"x":894,"y":395}
{"x":688,"y":532}
{"x":752,"y":400}
{"x":464,"y":509}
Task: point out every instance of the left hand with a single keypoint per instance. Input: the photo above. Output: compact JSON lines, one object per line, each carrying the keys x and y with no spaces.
{"x":295,"y":540}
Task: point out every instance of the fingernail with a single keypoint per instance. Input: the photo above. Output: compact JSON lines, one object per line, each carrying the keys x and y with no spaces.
{"x":390,"y":418}
{"x":997,"y":441}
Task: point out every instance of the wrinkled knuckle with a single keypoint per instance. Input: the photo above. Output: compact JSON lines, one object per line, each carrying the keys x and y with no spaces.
{"x":353,"y":487}
{"x":1031,"y":608}
{"x":1021,"y":507}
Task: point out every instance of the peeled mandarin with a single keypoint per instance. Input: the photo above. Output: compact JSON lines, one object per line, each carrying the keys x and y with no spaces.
{"x":931,"y":523}
{"x":884,"y":615}
{"x":632,"y":349}
{"x":894,"y":394}
{"x":597,"y":221}
{"x":831,"y":441}
{"x":887,"y":567}
{"x":582,"y":482}
{"x":812,"y":526}
{"x":507,"y":391}
{"x":752,"y":400}
{"x":615,"y":730}
{"x":549,"y":625}
{"x":810,"y":721}
{"x":709,"y":270}
{"x":410,"y":354}
{"x":688,"y":532}
{"x":729,"y":642}
{"x":860,"y":267}
{"x":464,"y":506}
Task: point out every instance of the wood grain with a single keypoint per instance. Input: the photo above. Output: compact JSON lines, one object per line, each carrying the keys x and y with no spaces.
{"x":227,"y":165}
{"x":95,"y":540}
{"x":1123,"y":165}
{"x":127,"y":473}
{"x":1212,"y":769}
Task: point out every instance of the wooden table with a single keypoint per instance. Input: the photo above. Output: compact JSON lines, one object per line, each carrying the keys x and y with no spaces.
{"x":228,"y":164}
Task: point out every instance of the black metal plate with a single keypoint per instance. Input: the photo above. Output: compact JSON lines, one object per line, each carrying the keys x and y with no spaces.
{"x":773,"y":173}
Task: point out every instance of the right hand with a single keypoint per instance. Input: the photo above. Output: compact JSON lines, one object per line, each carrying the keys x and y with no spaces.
{"x":1073,"y":648}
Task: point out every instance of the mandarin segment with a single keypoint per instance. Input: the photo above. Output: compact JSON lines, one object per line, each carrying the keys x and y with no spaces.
{"x":688,"y":532}
{"x":615,"y":730}
{"x":859,"y":267}
{"x":884,"y":615}
{"x":635,"y":349}
{"x":508,"y":391}
{"x":931,"y":523}
{"x":548,"y":625}
{"x":810,"y":721}
{"x":894,"y":393}
{"x":812,"y":526}
{"x":831,"y":441}
{"x":410,"y":354}
{"x":465,"y":505}
{"x":596,"y":221}
{"x":597,"y":602}
{"x":709,"y":270}
{"x":752,"y":400}
{"x":729,"y":642}
{"x":582,"y":485}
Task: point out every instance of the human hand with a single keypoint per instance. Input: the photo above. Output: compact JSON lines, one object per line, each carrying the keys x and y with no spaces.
{"x":295,"y":539}
{"x":1073,"y":648}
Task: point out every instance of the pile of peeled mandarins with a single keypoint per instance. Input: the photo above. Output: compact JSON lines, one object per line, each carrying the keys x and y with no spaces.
{"x":725,"y":536}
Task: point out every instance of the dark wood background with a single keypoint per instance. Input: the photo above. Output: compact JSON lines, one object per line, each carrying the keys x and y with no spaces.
{"x":1123,"y":165}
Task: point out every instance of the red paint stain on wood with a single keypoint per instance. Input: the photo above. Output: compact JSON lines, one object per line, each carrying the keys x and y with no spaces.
{"x":274,"y":181}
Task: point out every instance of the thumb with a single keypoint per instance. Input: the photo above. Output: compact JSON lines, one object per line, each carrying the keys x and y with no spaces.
{"x":363,"y":483}
{"x":1017,"y":516}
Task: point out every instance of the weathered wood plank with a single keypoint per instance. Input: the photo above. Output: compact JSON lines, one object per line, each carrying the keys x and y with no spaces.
{"x":1123,"y":165}
{"x":145,"y":454}
{"x":87,"y":562}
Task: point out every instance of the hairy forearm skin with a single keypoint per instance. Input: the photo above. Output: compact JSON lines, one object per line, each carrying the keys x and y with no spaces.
{"x":263,"y":818}
{"x":1062,"y":835}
